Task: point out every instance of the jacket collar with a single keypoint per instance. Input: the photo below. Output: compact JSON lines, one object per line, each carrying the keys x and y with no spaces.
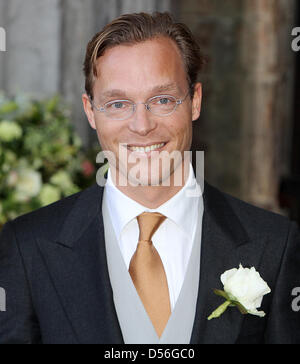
{"x":86,"y":209}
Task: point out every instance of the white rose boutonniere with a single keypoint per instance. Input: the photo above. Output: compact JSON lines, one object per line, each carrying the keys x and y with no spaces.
{"x":243,"y":288}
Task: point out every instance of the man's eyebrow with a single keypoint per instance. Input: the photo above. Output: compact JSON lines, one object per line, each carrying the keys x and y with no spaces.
{"x":171,"y":87}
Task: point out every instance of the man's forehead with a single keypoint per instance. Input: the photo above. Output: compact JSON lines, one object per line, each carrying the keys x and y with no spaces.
{"x":124,"y":69}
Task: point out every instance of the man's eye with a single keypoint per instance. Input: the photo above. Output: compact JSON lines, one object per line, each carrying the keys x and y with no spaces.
{"x":163,"y":101}
{"x":117,"y":105}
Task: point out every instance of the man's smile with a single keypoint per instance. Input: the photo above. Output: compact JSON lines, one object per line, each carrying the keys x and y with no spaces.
{"x":147,"y":148}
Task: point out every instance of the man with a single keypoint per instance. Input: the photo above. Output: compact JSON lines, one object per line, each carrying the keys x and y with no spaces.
{"x":137,"y":262}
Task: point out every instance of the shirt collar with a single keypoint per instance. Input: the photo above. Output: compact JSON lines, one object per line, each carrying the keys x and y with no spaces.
{"x":181,"y":209}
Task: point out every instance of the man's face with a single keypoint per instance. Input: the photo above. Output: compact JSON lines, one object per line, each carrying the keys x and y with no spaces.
{"x":138,"y":73}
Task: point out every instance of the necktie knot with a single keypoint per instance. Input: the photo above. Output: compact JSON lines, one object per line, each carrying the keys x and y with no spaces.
{"x":149,"y":222}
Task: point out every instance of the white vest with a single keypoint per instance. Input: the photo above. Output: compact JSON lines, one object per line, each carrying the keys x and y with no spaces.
{"x":134,"y":321}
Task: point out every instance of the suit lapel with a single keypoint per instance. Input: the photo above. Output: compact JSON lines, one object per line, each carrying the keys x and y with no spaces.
{"x":78,"y":267}
{"x":225,"y":245}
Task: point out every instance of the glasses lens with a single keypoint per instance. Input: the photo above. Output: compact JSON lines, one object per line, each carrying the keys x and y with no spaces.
{"x":162,"y":105}
{"x":119,"y":110}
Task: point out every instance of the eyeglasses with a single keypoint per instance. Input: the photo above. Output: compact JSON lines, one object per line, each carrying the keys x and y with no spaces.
{"x":163,"y":105}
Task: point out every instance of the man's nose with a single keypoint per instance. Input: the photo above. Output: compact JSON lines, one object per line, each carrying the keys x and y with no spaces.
{"x":142,"y":121}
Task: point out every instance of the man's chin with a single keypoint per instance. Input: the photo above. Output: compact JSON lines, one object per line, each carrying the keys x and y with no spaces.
{"x":146,"y":179}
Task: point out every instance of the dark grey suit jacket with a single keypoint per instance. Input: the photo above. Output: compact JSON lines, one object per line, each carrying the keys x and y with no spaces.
{"x":53,"y":268}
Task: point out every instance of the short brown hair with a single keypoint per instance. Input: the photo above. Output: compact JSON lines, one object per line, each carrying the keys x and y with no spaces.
{"x":135,"y":28}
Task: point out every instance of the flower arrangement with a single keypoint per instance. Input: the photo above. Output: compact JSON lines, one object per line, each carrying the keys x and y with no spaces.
{"x":41,"y":158}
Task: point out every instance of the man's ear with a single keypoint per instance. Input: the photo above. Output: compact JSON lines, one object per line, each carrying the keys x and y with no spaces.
{"x":88,"y":108}
{"x":197,"y":101}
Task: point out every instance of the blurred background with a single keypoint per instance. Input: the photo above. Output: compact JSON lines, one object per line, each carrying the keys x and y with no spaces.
{"x":249,"y":127}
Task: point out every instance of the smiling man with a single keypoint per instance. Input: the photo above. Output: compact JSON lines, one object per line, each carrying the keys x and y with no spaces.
{"x":137,"y":262}
{"x":151,"y":73}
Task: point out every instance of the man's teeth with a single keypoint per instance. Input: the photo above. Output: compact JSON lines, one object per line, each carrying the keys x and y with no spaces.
{"x":147,"y":149}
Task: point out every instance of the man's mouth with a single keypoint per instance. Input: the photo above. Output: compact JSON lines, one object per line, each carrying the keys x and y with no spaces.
{"x":146,"y":149}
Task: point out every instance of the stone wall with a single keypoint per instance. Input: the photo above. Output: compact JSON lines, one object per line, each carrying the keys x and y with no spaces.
{"x":246,"y":123}
{"x":268,"y":67}
{"x":31,"y":62}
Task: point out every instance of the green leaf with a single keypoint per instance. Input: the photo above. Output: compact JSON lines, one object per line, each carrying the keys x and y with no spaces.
{"x":8,"y":107}
{"x":219,"y":311}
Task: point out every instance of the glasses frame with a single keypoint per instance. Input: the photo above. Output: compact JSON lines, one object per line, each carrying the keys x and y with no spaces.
{"x":134,"y":105}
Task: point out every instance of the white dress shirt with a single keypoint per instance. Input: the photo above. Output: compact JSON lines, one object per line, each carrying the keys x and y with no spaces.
{"x":173,"y":240}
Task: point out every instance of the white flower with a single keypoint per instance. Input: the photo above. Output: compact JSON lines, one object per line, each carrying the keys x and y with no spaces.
{"x":9,"y":130}
{"x":28,"y":185}
{"x":247,"y":287}
{"x":243,"y":288}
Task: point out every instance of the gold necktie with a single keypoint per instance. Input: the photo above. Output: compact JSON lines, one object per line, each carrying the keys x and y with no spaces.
{"x":148,"y":274}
